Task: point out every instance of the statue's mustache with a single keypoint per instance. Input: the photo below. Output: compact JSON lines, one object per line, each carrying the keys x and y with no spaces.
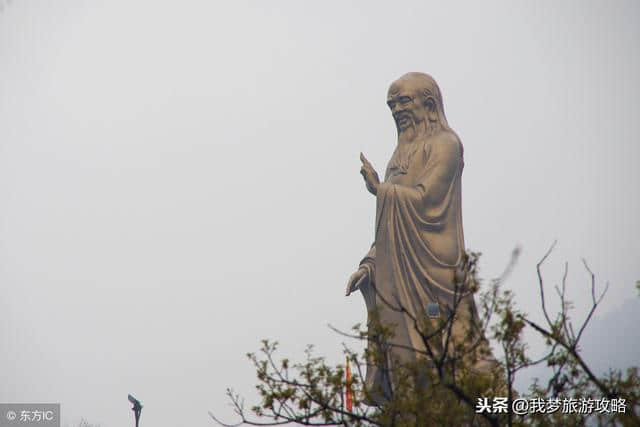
{"x":402,"y":118}
{"x":401,"y":114}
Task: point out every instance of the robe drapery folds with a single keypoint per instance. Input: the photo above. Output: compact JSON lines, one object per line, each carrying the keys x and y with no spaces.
{"x":419,"y":241}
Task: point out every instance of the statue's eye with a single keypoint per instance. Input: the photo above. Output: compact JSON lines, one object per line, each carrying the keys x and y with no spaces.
{"x":405,"y":100}
{"x":391,"y":104}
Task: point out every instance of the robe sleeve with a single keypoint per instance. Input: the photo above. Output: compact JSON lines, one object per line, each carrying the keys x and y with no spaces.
{"x":369,"y":289}
{"x":369,"y":262}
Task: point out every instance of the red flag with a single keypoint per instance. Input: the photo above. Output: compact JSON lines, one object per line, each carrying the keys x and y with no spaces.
{"x":348,"y":393}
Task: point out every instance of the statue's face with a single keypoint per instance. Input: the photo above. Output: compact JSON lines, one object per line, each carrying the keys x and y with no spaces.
{"x":406,"y":105}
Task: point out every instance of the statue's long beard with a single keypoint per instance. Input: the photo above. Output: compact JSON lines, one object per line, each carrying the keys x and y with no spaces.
{"x":408,"y":143}
{"x":401,"y":157}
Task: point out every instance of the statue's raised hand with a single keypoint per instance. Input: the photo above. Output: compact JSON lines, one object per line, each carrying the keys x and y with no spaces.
{"x":357,"y":279}
{"x":370,"y":175}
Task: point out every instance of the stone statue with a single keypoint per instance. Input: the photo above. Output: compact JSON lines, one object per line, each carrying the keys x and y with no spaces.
{"x":419,"y":243}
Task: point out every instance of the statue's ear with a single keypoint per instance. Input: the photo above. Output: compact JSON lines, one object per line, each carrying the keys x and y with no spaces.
{"x":430,"y":105}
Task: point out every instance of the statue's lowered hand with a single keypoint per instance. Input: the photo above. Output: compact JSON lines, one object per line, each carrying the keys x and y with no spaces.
{"x":370,"y":175}
{"x":356,"y":280}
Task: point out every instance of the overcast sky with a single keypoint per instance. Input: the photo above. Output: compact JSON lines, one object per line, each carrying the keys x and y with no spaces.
{"x":179,"y":180}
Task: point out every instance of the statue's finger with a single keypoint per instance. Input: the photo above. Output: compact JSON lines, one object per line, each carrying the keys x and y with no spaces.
{"x":349,"y":286}
{"x":364,"y":161}
{"x":368,"y":163}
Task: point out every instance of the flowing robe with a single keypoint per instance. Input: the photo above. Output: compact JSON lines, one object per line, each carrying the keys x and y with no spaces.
{"x":419,"y":243}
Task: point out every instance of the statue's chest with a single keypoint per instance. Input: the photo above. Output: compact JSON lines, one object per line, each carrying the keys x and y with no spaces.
{"x":408,"y":172}
{"x":400,"y":178}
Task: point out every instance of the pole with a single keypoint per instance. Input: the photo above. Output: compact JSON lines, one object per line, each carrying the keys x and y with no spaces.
{"x":137,"y":408}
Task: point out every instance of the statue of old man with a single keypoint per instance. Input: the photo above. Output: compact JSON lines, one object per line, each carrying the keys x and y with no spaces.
{"x":411,"y":270}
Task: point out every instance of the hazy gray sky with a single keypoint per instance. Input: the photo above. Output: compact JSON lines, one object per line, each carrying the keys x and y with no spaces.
{"x":179,"y":180}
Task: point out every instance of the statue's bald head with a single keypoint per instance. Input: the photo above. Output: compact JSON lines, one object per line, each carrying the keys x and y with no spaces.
{"x":416,"y":103}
